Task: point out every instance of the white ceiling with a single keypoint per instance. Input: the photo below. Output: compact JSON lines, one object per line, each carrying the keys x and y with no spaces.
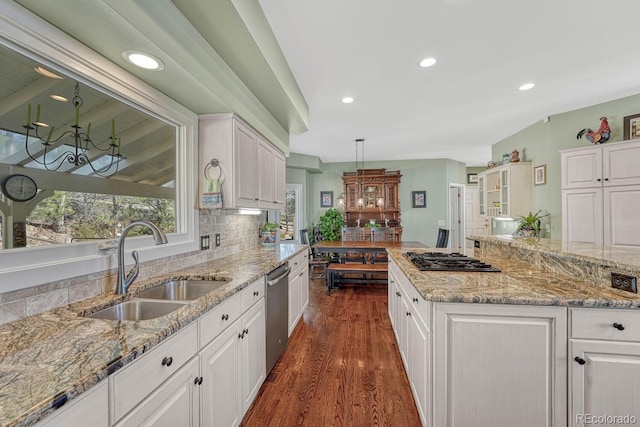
{"x":577,"y":52}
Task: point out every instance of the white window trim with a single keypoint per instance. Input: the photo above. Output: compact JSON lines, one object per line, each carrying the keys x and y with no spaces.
{"x":30,"y":35}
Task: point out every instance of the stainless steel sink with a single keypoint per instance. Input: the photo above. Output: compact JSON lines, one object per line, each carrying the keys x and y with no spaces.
{"x":181,"y":290}
{"x":137,"y":310}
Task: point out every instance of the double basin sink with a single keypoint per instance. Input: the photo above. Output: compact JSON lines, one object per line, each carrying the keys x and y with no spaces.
{"x":159,"y":300}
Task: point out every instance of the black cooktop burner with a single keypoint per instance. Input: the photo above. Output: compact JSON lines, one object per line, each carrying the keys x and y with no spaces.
{"x":438,"y":261}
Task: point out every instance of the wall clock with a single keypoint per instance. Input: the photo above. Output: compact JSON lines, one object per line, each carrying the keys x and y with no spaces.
{"x":19,"y":188}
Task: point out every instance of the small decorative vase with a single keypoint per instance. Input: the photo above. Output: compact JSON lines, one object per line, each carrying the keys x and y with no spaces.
{"x":268,"y":237}
{"x":529,"y":232}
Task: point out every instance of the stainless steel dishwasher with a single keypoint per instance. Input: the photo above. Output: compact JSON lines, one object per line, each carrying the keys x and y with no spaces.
{"x":277,"y":300}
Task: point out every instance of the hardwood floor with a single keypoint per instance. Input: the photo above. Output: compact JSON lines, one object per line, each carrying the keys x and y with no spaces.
{"x":341,"y":368}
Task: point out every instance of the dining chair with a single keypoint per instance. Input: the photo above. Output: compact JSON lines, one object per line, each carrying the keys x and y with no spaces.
{"x":443,"y":238}
{"x":353,"y":234}
{"x":317,"y":263}
{"x":382,"y":234}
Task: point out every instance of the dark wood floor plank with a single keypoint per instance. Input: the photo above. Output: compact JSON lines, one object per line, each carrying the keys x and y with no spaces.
{"x":341,"y":368}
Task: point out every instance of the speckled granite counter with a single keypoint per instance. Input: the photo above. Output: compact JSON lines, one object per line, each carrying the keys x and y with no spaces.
{"x":533,"y":273}
{"x":60,"y":353}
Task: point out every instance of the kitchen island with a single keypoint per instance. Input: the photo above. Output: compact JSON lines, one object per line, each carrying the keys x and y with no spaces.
{"x":544,"y":342}
{"x":58,"y":355}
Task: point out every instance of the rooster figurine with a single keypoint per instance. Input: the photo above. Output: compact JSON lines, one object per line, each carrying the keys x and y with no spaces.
{"x":600,"y":136}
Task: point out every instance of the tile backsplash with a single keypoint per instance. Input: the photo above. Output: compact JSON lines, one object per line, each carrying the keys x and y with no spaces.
{"x":237,"y":233}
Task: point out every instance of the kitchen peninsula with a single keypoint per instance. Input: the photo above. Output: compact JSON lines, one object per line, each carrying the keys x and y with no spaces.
{"x":55,"y":356}
{"x":541,"y":343}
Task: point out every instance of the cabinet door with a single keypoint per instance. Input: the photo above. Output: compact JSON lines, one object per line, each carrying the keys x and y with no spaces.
{"x":420,"y":367}
{"x":607,"y":382}
{"x":245,"y":165}
{"x":498,"y":365}
{"x":253,"y":350}
{"x":620,"y":164}
{"x":221,"y":389}
{"x":481,"y":194}
{"x":391,"y":195}
{"x":174,"y":403}
{"x":621,"y":207}
{"x":582,"y":216}
{"x":266,"y":172}
{"x":304,"y":288}
{"x":91,"y":407}
{"x":505,"y":193}
{"x":280,"y":180}
{"x":294,"y":300}
{"x":403,"y":328}
{"x":581,"y":168}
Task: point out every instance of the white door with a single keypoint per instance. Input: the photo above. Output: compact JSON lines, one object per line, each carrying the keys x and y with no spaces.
{"x":475,"y":224}
{"x":456,"y":218}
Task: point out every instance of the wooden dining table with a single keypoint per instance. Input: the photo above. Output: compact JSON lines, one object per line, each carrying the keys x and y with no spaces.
{"x":339,"y":246}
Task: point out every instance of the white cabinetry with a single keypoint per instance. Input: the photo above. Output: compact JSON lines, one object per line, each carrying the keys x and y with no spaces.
{"x":601,"y":194}
{"x":233,"y":364}
{"x":604,"y":366}
{"x":499,"y":365}
{"x":505,"y":190}
{"x":91,"y":407}
{"x":410,"y":316}
{"x":254,"y":170}
{"x":298,"y":288}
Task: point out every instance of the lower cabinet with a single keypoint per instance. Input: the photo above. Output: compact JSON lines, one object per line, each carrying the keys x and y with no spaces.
{"x":604,"y":367}
{"x":175,"y":403}
{"x":233,"y":367}
{"x":91,"y":407}
{"x":298,"y":289}
{"x":499,"y":365}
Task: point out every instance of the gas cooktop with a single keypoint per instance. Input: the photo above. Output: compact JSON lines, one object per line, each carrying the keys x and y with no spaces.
{"x":438,"y":261}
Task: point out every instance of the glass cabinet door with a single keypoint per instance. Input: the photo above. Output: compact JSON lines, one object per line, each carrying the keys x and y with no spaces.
{"x":481,"y":195}
{"x":505,"y":208}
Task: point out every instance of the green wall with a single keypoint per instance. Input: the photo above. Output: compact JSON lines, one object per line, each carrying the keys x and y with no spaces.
{"x":541,"y":143}
{"x":419,"y":224}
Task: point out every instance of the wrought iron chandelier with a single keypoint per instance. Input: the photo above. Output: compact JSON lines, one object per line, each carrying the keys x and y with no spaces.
{"x":76,"y":154}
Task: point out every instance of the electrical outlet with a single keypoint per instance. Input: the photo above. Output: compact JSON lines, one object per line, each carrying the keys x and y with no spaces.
{"x":204,"y":242}
{"x":624,"y":282}
{"x":217,"y":239}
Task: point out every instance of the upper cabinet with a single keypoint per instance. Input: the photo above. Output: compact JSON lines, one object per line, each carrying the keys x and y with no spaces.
{"x":505,"y":190}
{"x":601,"y":194}
{"x":253,"y":169}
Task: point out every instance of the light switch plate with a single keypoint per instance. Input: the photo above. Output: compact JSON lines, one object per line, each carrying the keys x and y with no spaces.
{"x":217,"y":239}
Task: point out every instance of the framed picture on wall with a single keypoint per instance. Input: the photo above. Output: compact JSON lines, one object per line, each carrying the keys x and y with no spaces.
{"x":540,"y":175}
{"x":326,"y":199}
{"x":472,"y":178}
{"x":632,"y":126}
{"x":419,"y":199}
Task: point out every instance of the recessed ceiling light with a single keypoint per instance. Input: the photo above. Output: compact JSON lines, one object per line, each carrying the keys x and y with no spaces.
{"x":347,"y":100}
{"x":44,"y":72}
{"x":526,"y":86}
{"x":59,"y":98}
{"x":427,"y":62}
{"x":143,"y":60}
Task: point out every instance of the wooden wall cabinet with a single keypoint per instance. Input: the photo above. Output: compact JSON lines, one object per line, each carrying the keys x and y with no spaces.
{"x":601,"y":194}
{"x":380,"y":191}
{"x":254,"y":170}
{"x":505,"y":191}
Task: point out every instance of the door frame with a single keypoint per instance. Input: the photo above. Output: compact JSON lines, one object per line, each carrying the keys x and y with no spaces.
{"x":459,"y":206}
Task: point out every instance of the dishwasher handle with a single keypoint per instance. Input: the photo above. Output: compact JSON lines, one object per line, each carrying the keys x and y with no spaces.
{"x":277,"y":279}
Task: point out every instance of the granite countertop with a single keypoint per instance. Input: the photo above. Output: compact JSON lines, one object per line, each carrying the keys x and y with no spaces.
{"x":60,"y":354}
{"x":533,"y":282}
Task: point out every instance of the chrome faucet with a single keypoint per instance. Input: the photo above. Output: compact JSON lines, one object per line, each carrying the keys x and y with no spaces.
{"x":124,"y":281}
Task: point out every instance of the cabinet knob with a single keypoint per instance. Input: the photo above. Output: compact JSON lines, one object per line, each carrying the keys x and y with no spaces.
{"x":256,"y":293}
{"x":197,"y":380}
{"x":408,"y":313}
{"x":225,"y":317}
{"x":598,"y":180}
{"x":397,"y":294}
{"x":167,"y":361}
{"x":606,"y":179}
{"x":618,"y":326}
{"x":414,"y":299}
{"x":580,"y":360}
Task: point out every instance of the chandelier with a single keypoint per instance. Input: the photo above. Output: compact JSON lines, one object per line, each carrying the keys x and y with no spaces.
{"x":360,"y":171}
{"x":77,"y":153}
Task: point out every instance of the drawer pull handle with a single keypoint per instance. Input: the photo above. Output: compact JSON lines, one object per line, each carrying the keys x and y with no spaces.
{"x":197,"y":381}
{"x":618,"y":326}
{"x":167,"y":361}
{"x":256,"y":293}
{"x":225,"y":317}
{"x":415,"y":300}
{"x":580,"y":360}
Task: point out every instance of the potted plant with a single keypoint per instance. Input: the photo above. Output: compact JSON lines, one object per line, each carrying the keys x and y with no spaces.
{"x":529,"y":225}
{"x":331,"y":224}
{"x":268,"y":233}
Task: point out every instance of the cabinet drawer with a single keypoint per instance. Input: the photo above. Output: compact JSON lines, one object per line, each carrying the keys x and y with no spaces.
{"x":299,"y":261}
{"x":417,"y":303}
{"x":252,"y":294}
{"x":591,"y":323}
{"x":217,"y":320}
{"x":133,"y":383}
